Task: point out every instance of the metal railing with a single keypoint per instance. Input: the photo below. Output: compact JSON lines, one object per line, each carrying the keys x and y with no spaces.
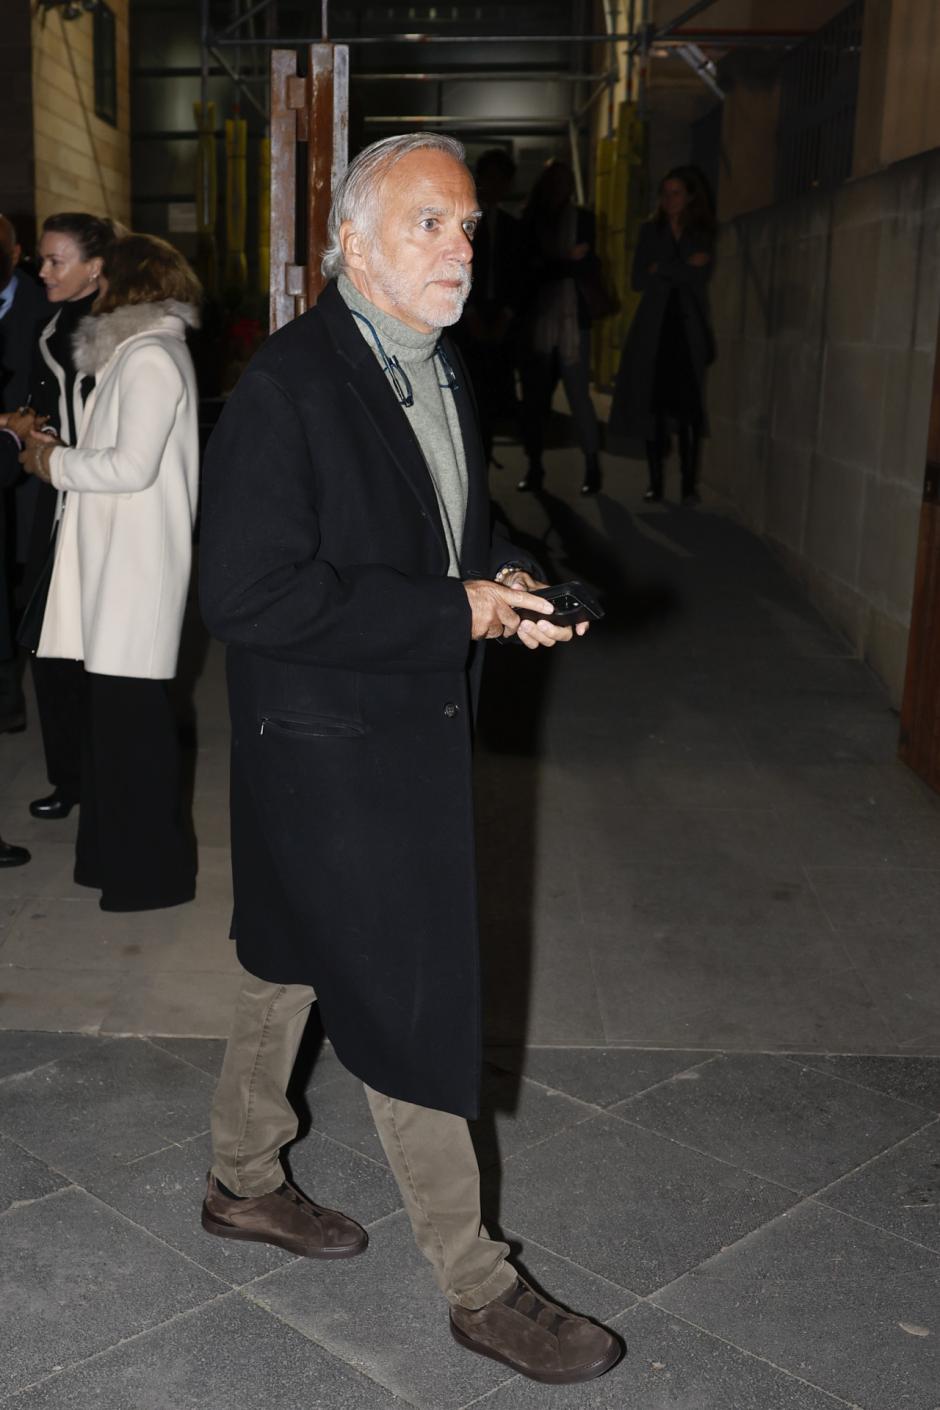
{"x":818,"y":101}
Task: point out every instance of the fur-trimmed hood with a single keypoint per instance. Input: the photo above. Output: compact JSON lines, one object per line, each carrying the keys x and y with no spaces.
{"x":99,"y":336}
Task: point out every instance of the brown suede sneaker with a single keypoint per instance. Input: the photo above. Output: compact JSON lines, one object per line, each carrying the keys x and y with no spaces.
{"x":285,"y":1218}
{"x":536,"y":1337}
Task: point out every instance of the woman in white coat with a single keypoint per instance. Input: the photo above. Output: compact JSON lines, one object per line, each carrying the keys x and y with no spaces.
{"x":119,"y":583}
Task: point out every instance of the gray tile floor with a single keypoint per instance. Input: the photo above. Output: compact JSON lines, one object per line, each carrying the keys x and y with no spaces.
{"x":710,"y":900}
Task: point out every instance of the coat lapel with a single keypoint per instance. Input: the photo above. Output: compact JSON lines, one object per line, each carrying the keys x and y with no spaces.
{"x":473,"y":549}
{"x":375,"y":395}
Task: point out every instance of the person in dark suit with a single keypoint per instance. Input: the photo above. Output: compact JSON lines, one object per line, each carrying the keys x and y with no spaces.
{"x":485,"y":333}
{"x":660,"y":386}
{"x":23,"y":309}
{"x":347,"y":560}
{"x":555,"y":333}
{"x":72,"y":249}
{"x":14,"y":428}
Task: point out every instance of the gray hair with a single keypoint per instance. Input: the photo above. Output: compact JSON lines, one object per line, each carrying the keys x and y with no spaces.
{"x":355,"y":196}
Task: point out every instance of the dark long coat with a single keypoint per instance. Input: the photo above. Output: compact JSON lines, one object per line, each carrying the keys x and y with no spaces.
{"x":19,"y":334}
{"x":631,"y":407}
{"x":323,"y":566}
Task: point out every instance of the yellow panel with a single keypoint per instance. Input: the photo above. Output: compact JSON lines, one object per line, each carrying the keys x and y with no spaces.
{"x":621,"y":203}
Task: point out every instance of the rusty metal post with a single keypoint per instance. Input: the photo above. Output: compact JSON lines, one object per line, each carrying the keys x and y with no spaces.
{"x":319,"y":160}
{"x":284,"y":286}
{"x":314,"y":110}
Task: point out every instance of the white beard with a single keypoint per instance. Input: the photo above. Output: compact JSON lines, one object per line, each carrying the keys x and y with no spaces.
{"x":438,"y":310}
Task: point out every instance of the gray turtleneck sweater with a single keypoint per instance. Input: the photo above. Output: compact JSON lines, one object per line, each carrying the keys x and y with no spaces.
{"x":433,"y":417}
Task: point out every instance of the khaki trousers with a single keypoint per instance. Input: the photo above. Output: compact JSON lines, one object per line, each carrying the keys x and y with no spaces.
{"x":429,"y":1152}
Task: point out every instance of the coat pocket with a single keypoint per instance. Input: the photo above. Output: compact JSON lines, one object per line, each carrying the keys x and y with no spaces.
{"x":292,"y":723}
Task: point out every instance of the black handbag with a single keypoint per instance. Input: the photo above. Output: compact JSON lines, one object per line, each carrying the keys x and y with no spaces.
{"x":600,"y":300}
{"x":30,"y":628}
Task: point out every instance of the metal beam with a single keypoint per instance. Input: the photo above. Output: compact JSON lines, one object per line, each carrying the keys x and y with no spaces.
{"x":680,"y":19}
{"x":480,"y":76}
{"x":295,"y":41}
{"x":702,"y":66}
{"x":243,"y":19}
{"x":246,"y":92}
{"x":724,"y":39}
{"x":507,"y":124}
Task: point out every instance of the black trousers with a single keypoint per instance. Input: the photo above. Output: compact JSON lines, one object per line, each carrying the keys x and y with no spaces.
{"x":540,"y":373}
{"x":59,"y":693}
{"x":132,"y":843}
{"x":491,"y":371}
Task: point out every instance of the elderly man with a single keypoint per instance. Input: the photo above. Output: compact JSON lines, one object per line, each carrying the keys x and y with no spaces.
{"x":347,"y":560}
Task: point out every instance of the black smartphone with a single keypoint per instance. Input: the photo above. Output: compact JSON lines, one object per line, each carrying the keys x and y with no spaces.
{"x":573,"y":603}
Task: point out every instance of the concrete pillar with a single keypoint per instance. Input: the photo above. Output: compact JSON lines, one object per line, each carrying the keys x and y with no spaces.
{"x":748,"y":134}
{"x":899,"y":88}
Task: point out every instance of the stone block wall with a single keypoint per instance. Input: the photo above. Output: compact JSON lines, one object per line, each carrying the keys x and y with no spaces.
{"x":81,"y":162}
{"x":826,"y":316}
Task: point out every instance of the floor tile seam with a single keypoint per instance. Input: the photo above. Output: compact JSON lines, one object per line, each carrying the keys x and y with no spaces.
{"x":121,"y":1342}
{"x":926,"y":871}
{"x":682,"y":1072}
{"x":19,"y":1205}
{"x":798,"y":1060}
{"x":30,"y":1072}
{"x":595,"y":985}
{"x":99,"y":970}
{"x":766,"y":1179}
{"x":488,"y":1394}
{"x":869,"y":1224}
{"x":157,"y":1238}
{"x":693,"y":808}
{"x":167,"y":1146}
{"x":752,"y":1355}
{"x":799,"y":1195}
{"x":504,"y":1160}
{"x":525,"y":1079}
{"x":523,"y":1242}
{"x":602,"y":1109}
{"x":152,"y":1038}
{"x":384,"y":1218}
{"x":907,"y":1047}
{"x":873,"y":998}
{"x":13,"y":924}
{"x":42,"y":1160}
{"x":354,"y":1150}
{"x":727,"y":1249}
{"x":330,"y":1352}
{"x":827,"y":919}
{"x":619,"y":1044}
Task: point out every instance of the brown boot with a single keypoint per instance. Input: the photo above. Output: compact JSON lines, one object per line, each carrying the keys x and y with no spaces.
{"x":285,"y":1218}
{"x":536,"y":1337}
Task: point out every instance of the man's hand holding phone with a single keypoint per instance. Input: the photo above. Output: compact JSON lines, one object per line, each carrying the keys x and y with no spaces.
{"x":496,"y":608}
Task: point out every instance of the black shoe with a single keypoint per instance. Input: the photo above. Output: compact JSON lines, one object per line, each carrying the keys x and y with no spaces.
{"x":13,"y":724}
{"x":532,"y":479}
{"x":652,"y":496}
{"x":56,"y":806}
{"x":592,"y":475}
{"x":12,"y":856}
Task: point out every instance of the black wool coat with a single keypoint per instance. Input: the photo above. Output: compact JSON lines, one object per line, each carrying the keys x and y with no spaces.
{"x":351,"y":677}
{"x":19,"y":334}
{"x":631,"y":407}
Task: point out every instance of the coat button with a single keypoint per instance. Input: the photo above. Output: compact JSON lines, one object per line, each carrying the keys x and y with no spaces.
{"x":450,"y":709}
